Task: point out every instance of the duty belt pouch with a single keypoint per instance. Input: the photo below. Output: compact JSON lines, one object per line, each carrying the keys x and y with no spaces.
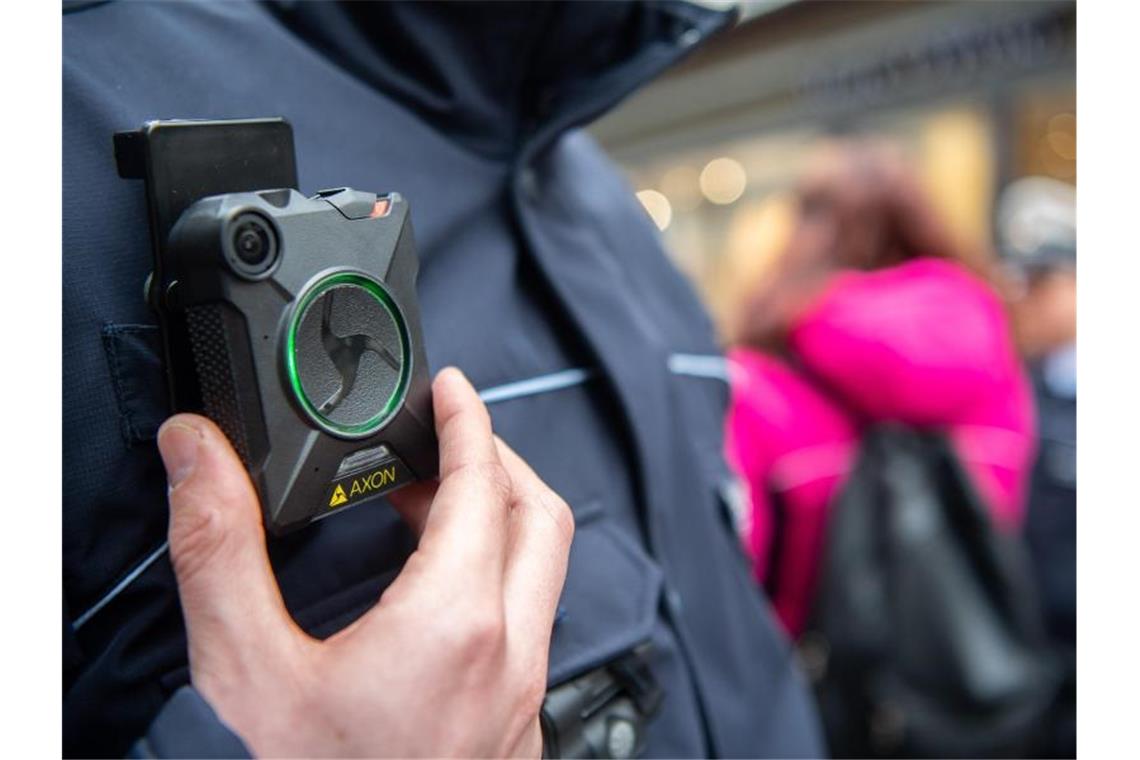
{"x":604,"y":712}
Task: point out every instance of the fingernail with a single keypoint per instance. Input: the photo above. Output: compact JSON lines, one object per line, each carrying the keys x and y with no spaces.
{"x":178,"y":444}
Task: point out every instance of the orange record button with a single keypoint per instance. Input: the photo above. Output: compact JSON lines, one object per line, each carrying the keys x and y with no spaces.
{"x":381,"y":208}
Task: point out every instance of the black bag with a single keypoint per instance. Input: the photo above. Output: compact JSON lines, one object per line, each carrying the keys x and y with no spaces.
{"x":926,"y":638}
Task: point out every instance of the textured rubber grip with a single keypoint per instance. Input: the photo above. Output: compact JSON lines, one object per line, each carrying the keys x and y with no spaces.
{"x":211,"y":344}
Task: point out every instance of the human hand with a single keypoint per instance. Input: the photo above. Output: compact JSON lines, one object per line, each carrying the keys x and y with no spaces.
{"x":453,"y":658}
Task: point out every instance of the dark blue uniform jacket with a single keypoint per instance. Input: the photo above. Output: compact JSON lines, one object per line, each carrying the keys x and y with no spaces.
{"x":541,"y":278}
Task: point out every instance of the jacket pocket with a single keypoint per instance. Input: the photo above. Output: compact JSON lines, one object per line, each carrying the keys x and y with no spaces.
{"x":134,"y":356}
{"x":610,"y":601}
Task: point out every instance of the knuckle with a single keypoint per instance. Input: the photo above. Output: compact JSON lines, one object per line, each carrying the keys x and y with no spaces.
{"x":196,"y":537}
{"x":486,"y":634}
{"x":498,"y":479}
{"x":531,"y":694}
{"x":491,"y":475}
{"x":561,"y":514}
{"x":454,"y":422}
{"x":563,"y":517}
{"x":483,"y":636}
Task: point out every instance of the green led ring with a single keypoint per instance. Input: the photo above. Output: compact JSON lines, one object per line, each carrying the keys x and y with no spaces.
{"x":377,"y":291}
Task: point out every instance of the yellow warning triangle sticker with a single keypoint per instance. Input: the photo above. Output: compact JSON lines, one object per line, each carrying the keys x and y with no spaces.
{"x":338,"y":497}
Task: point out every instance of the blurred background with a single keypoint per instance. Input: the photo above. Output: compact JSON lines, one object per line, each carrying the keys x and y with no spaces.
{"x":942,"y":129}
{"x":977,"y":94}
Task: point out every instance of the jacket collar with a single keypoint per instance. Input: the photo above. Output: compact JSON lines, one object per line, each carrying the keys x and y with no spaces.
{"x":503,"y":77}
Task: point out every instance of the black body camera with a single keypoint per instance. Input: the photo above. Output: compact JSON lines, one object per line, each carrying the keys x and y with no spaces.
{"x":291,"y":321}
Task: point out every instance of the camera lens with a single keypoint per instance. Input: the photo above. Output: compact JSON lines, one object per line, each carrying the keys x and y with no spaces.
{"x":253,"y":244}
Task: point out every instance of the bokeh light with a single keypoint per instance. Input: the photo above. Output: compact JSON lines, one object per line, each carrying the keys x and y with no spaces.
{"x":723,"y":180}
{"x":658,"y":206}
{"x":1062,"y":135}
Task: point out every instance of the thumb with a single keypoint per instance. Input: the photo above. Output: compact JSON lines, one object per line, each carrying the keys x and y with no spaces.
{"x":217,"y":544}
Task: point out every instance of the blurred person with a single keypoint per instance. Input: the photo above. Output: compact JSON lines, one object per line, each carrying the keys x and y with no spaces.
{"x":1037,"y":227}
{"x":542,"y":279}
{"x":885,"y":425}
{"x":871,"y":315}
{"x":1037,"y":231}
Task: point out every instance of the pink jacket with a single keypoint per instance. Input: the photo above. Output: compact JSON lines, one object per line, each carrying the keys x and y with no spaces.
{"x":923,"y":343}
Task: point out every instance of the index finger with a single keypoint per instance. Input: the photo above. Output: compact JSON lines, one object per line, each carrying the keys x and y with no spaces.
{"x":466,"y":523}
{"x":542,"y":529}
